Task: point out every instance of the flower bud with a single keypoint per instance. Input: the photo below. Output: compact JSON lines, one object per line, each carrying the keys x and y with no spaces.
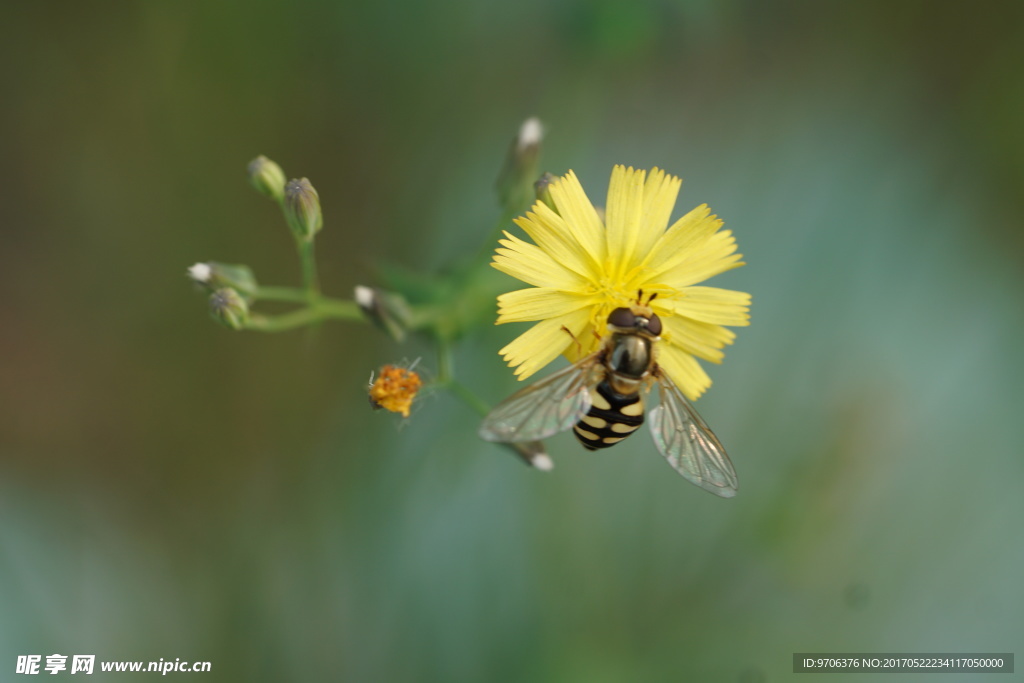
{"x":229,"y":308}
{"x":218,"y":275}
{"x":267,"y":177}
{"x":520,"y":169}
{"x":388,"y":311}
{"x":542,"y":188}
{"x":302,"y":209}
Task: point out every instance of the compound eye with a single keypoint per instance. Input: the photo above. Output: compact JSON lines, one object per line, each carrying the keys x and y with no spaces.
{"x":622,"y":317}
{"x":654,"y":325}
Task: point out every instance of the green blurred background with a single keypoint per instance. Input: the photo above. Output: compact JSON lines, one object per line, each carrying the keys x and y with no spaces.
{"x":169,"y":489}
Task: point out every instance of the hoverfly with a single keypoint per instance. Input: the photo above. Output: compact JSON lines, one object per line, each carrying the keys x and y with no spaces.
{"x":601,"y":398}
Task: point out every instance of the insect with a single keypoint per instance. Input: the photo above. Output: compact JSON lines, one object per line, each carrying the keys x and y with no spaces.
{"x":601,"y":398}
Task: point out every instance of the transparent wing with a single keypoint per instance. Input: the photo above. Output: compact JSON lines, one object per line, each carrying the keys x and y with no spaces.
{"x":552,"y":405}
{"x":687,"y":442}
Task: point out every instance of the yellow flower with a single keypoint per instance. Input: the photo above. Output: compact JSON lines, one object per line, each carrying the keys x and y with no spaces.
{"x":583,"y":265}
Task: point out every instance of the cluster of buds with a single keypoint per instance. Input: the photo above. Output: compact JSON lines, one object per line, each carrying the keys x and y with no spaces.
{"x":298,"y":198}
{"x":213,"y":275}
{"x":232,"y":289}
{"x":229,"y":287}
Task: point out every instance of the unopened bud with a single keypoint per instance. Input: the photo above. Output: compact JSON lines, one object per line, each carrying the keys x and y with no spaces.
{"x":542,"y":188}
{"x":520,"y":169}
{"x":388,"y":311}
{"x":219,"y":275}
{"x":229,"y":308}
{"x":267,"y":177}
{"x":302,"y":209}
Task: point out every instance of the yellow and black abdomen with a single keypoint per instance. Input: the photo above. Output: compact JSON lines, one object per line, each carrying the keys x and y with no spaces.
{"x":611,"y":418}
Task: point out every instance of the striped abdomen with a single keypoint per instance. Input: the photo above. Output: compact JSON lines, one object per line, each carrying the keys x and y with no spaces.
{"x":611,"y":418}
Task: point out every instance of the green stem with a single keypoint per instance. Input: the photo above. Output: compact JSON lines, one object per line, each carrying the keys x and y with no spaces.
{"x":285,"y":321}
{"x":309,"y":278}
{"x":320,"y":308}
{"x":444,"y":362}
{"x":446,"y":379}
{"x":338,"y":308}
{"x":281,"y":294}
{"x":469,"y":398}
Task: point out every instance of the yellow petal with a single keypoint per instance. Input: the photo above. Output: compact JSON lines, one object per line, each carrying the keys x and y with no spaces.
{"x":551,"y":233}
{"x":697,"y":338}
{"x":712,"y":256}
{"x":542,"y":343}
{"x":675,"y":245}
{"x":579,"y":214}
{"x":623,"y":215}
{"x":684,"y":371}
{"x":712,"y":305}
{"x":537,"y":303}
{"x":529,"y":263}
{"x":660,"y":192}
{"x":588,"y":340}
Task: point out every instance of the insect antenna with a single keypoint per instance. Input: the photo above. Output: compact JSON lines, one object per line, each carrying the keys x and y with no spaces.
{"x":579,"y":346}
{"x":640,"y":298}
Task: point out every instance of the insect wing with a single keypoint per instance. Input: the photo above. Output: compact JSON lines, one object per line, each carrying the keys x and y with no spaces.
{"x":552,"y":405}
{"x":687,"y":442}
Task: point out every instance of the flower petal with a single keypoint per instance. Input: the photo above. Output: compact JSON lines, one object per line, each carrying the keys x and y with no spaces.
{"x":579,"y":214}
{"x":697,"y":338}
{"x":543,"y":342}
{"x":588,"y":339}
{"x":711,"y":257}
{"x":660,"y":192}
{"x":623,"y":218}
{"x":537,"y":303}
{"x":529,"y":263}
{"x":684,"y":370}
{"x":582,"y":269}
{"x":551,"y":233}
{"x":712,"y":305}
{"x":675,"y":245}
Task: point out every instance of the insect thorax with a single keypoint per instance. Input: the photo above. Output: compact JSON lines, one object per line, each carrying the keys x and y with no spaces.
{"x":628,"y":361}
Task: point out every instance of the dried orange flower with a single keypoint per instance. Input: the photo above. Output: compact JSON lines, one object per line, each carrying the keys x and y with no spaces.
{"x":395,"y":389}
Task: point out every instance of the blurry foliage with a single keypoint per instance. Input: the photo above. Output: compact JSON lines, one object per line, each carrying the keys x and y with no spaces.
{"x":170,"y":489}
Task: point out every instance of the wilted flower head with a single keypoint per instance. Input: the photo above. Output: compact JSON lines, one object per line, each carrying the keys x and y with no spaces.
{"x":394,"y":389}
{"x":583,"y":265}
